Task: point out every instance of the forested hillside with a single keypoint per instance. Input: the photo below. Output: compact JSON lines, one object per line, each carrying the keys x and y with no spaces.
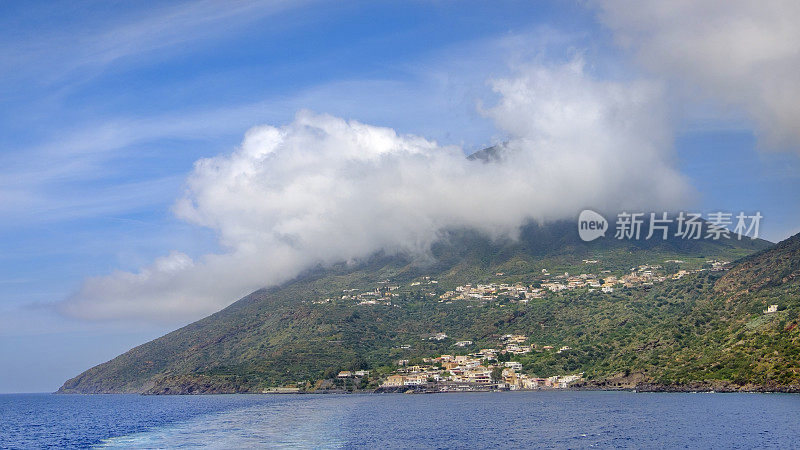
{"x":707,"y":329}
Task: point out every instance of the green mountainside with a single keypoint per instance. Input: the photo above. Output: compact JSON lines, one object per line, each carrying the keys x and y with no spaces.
{"x":706,"y":330}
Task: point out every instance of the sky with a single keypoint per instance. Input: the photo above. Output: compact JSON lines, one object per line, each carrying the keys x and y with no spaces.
{"x":159,"y":161}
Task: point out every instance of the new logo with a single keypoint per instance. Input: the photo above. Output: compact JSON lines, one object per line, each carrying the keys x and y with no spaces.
{"x":591,"y":225}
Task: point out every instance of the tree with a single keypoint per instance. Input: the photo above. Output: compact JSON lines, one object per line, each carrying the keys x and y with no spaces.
{"x":497,"y":374}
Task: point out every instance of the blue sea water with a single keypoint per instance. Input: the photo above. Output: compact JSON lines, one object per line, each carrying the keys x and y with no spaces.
{"x":556,"y":419}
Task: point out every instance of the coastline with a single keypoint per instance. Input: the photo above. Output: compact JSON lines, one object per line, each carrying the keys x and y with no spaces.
{"x":693,"y":387}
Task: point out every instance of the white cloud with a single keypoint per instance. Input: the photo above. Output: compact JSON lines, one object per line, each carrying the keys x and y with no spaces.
{"x":322,"y":189}
{"x":745,"y":54}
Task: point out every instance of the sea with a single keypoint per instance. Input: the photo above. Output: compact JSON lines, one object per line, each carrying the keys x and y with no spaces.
{"x":534,"y":419}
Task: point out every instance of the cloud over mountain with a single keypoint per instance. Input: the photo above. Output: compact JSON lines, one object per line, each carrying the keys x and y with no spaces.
{"x":322,"y":189}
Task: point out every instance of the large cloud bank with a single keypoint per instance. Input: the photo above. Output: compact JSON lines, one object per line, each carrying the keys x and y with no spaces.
{"x":743,"y":53}
{"x":322,"y":189}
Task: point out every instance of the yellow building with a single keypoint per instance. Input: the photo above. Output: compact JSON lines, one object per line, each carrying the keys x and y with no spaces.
{"x":394,"y":380}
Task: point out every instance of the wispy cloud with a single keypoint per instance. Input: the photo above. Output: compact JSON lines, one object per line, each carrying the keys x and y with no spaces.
{"x":72,"y":173}
{"x":43,"y":55}
{"x":21,"y":208}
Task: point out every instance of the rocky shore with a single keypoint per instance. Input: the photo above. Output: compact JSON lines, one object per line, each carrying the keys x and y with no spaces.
{"x":641,"y":383}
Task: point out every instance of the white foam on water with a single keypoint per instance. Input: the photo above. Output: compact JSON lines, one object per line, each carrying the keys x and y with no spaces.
{"x":315,"y":422}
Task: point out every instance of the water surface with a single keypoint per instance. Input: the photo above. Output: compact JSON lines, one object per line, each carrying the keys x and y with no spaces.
{"x":565,"y":419}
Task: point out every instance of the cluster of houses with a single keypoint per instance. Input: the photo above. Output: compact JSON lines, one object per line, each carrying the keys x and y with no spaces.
{"x":524,"y":293}
{"x":644,"y":275}
{"x":425,"y":280}
{"x":478,"y":371}
{"x":515,"y":344}
{"x":379,"y":296}
{"x":471,"y":372}
{"x":353,"y":374}
{"x":605,"y":282}
{"x":491,"y":291}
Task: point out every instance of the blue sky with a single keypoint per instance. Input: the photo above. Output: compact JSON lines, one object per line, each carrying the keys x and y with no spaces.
{"x":106,"y":107}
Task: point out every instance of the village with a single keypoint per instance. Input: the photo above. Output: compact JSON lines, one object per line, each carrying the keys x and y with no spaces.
{"x":604,"y":282}
{"x":491,"y":369}
{"x":485,"y":370}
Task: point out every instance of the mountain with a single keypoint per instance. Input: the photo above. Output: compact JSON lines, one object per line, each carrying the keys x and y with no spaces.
{"x":740,"y":332}
{"x":489,"y":154}
{"x":705,"y":328}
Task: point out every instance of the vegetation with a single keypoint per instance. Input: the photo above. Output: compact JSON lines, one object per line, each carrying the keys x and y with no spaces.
{"x":704,"y":329}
